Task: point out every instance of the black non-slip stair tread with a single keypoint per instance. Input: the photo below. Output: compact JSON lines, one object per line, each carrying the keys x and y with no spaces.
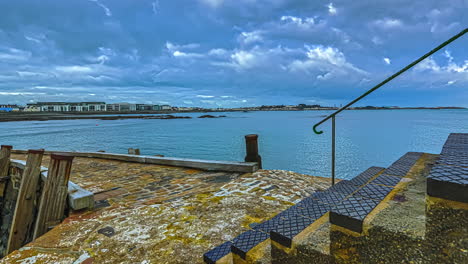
{"x":457,"y":160}
{"x":329,"y":197}
{"x":355,"y":207}
{"x":268,"y":225}
{"x":453,"y":174}
{"x":373,"y":191}
{"x":400,"y":168}
{"x":217,"y":253}
{"x":314,"y":210}
{"x":387,"y":180}
{"x":291,"y":211}
{"x":246,"y":241}
{"x":365,"y":176}
{"x":288,"y":228}
{"x":344,"y":187}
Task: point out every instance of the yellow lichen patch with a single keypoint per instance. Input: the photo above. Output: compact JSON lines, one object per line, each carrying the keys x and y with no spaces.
{"x":269,"y":198}
{"x":248,"y":219}
{"x":191,"y":171}
{"x":335,"y":228}
{"x":36,"y":256}
{"x":170,"y":214}
{"x":433,"y":202}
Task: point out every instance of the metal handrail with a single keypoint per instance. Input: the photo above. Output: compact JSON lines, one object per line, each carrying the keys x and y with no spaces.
{"x":409,"y":66}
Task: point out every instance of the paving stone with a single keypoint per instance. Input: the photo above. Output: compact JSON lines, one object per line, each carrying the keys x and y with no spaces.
{"x":246,"y":241}
{"x":351,"y":212}
{"x":373,"y":191}
{"x":365,"y":176}
{"x":448,"y":182}
{"x":288,"y":228}
{"x":329,"y":197}
{"x":217,"y":253}
{"x":386,"y":180}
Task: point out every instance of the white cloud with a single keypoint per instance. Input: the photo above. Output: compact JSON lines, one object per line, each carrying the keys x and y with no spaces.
{"x":387,"y":61}
{"x":74,"y":69}
{"x":304,"y":23}
{"x":324,"y":59}
{"x":331,"y":9}
{"x":155,"y":7}
{"x":20,"y":93}
{"x":250,"y":37}
{"x":11,"y":54}
{"x":181,"y":54}
{"x":107,"y":11}
{"x":428,"y":64}
{"x":173,"y":47}
{"x":388,"y":23}
{"x":213,"y":3}
{"x":217,"y":52}
{"x":450,"y":73}
{"x":376,"y":40}
{"x":204,"y":96}
{"x":244,"y":59}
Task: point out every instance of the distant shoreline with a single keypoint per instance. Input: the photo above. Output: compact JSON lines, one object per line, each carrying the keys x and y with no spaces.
{"x":46,"y":116}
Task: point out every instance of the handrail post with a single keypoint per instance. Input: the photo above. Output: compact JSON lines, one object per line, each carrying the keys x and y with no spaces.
{"x":333,"y":151}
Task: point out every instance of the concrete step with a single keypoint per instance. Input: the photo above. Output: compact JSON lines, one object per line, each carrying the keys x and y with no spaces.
{"x":447,"y":202}
{"x":294,"y":235}
{"x":372,"y":225}
{"x":380,"y":216}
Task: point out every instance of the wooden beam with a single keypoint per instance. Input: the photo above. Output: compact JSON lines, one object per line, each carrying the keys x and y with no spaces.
{"x":23,"y":218}
{"x":54,"y":194}
{"x":5,"y":152}
{"x":210,"y":165}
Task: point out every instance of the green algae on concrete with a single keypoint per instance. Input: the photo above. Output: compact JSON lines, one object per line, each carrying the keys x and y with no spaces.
{"x":163,"y":214}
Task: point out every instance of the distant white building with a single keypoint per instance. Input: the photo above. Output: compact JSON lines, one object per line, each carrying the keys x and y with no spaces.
{"x":117,"y":107}
{"x":166,"y":107}
{"x":32,"y":108}
{"x":69,"y":107}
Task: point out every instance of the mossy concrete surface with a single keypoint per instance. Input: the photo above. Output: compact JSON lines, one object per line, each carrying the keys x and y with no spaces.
{"x":160,"y":214}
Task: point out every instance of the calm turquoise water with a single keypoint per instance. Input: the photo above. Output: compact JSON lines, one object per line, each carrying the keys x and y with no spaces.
{"x":364,"y":138}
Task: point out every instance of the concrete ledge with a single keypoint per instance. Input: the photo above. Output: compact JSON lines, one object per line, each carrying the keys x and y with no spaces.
{"x":209,"y":165}
{"x":78,"y":198}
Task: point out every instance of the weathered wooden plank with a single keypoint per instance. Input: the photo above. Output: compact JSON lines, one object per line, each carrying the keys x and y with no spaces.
{"x":23,"y":217}
{"x":78,"y":198}
{"x":54,"y":194}
{"x":211,"y":165}
{"x":5,"y":152}
{"x":8,"y":206}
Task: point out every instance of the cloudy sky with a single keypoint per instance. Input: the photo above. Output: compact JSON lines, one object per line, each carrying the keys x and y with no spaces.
{"x":225,"y":53}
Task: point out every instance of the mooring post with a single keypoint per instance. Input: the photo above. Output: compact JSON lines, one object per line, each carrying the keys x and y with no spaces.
{"x":5,"y":153}
{"x":23,"y":218}
{"x":251,"y":144}
{"x":54,"y":194}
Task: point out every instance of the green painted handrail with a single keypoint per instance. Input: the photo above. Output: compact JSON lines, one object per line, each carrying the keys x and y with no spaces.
{"x":391,"y":78}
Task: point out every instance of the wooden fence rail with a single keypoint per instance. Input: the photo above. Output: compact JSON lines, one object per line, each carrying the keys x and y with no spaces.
{"x":34,"y":198}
